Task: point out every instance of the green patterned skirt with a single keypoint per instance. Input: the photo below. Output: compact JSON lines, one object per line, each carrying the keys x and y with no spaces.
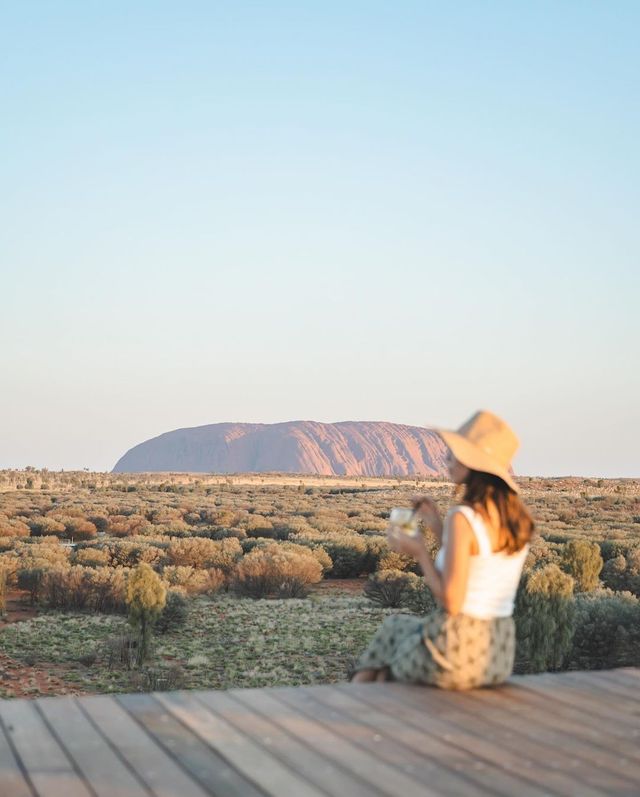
{"x":451,"y":652}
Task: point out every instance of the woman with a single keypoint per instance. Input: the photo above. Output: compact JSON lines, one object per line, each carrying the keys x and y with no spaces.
{"x":469,"y":640}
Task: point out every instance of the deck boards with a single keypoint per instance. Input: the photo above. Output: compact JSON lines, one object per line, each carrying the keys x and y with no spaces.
{"x":552,"y":734}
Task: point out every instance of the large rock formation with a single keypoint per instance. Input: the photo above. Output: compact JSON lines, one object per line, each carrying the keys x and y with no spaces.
{"x":349,"y":448}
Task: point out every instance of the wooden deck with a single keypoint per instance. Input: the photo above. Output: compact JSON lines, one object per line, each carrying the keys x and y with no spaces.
{"x":568,"y":734}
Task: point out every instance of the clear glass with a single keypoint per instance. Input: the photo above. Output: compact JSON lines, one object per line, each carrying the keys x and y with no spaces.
{"x":404,"y":521}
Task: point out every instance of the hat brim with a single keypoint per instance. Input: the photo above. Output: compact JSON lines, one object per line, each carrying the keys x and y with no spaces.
{"x":475,"y":458}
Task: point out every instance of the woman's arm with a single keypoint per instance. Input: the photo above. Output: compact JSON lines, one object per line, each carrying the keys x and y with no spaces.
{"x":450,"y":587}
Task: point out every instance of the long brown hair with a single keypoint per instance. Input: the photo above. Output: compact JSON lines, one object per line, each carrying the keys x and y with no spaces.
{"x":516,"y":524}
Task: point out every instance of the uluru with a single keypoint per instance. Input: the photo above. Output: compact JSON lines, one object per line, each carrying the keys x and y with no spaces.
{"x":347,"y":448}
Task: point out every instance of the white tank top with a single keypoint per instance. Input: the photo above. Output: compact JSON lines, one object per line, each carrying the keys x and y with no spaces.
{"x":493,"y":577}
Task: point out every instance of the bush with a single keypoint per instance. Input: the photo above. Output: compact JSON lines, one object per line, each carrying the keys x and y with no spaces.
{"x":622,"y":573}
{"x":193,"y":580}
{"x":91,"y":557}
{"x":395,"y":589}
{"x":3,"y":591}
{"x":544,"y":615}
{"x":30,"y":579}
{"x":350,"y":556}
{"x":205,"y":553}
{"x":130,"y":553}
{"x":175,"y":612}
{"x":12,"y":527}
{"x":386,"y":588}
{"x":272,"y":571}
{"x":607,"y":631}
{"x":583,"y":561}
{"x":317,"y":551}
{"x":100,"y":589}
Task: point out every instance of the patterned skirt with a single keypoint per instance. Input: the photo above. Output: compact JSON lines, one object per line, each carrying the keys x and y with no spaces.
{"x":451,"y":652}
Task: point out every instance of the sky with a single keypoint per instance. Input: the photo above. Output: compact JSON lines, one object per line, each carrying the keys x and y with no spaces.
{"x":323,"y":211}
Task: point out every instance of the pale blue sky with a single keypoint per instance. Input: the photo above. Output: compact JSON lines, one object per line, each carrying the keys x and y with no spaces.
{"x":331,"y":211}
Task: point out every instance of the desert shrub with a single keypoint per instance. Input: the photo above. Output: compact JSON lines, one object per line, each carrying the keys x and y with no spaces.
{"x":205,"y":553}
{"x":607,"y":631}
{"x":622,"y":573}
{"x":612,"y":548}
{"x":175,"y":612}
{"x":583,"y":561}
{"x":3,"y":591}
{"x":392,"y":560}
{"x":159,"y":679}
{"x":317,"y":551}
{"x":544,"y":615}
{"x":271,"y":571}
{"x":91,"y":557}
{"x":100,"y":521}
{"x":100,"y":589}
{"x":30,"y":579}
{"x":41,"y":554}
{"x":195,"y":581}
{"x":396,"y":589}
{"x":122,"y":650}
{"x":126,"y":525}
{"x":12,"y":527}
{"x":350,"y":556}
{"x":146,"y":597}
{"x":129,"y":553}
{"x":387,"y":588}
{"x":45,"y":526}
{"x":259,"y":526}
{"x":107,"y":589}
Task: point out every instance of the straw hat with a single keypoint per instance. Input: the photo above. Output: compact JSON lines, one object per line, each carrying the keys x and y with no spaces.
{"x":484,"y":443}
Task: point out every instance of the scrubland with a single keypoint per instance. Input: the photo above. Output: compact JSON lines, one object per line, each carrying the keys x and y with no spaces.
{"x":277,"y":579}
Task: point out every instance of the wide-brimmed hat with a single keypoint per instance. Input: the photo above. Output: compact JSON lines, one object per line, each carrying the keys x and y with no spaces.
{"x":484,"y":443}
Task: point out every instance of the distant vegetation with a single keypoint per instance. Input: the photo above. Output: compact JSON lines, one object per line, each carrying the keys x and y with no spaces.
{"x":86,"y":550}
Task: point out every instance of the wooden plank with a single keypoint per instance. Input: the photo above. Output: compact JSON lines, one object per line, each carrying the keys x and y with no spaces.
{"x":582,"y":698}
{"x":582,"y":762}
{"x":143,"y":754}
{"x":48,"y":767}
{"x":238,"y":709}
{"x":13,"y":782}
{"x":202,"y":763}
{"x":564,"y":771}
{"x":102,"y":768}
{"x":623,"y":676}
{"x":605,"y":734}
{"x":243,"y":753}
{"x":328,"y":742}
{"x":607,"y":686}
{"x":587,"y":742}
{"x":447,"y":769}
{"x":419,"y":707}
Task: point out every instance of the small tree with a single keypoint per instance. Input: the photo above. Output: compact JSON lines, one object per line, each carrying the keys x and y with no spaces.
{"x":544,"y":615}
{"x":582,"y":560}
{"x":146,"y":598}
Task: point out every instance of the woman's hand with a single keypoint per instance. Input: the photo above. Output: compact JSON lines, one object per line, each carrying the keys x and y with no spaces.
{"x":427,"y":509}
{"x":408,"y":544}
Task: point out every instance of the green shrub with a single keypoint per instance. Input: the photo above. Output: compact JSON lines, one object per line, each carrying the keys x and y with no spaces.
{"x":387,"y":588}
{"x":583,"y":561}
{"x":395,"y":589}
{"x":607,"y":631}
{"x":544,"y":615}
{"x":622,"y":573}
{"x":350,"y":556}
{"x":175,"y":612}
